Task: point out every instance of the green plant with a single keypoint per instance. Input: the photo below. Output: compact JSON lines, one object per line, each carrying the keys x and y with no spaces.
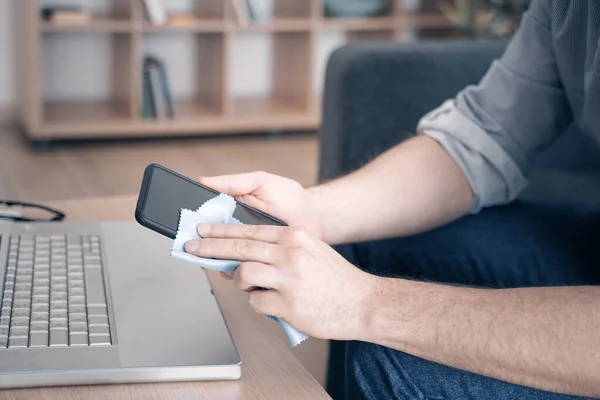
{"x":485,"y":18}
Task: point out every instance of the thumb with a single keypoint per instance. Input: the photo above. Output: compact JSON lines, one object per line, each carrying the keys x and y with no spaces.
{"x":235,"y":185}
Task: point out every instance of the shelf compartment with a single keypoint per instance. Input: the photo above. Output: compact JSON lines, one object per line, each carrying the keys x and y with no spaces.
{"x":118,"y":99}
{"x":293,"y":59}
{"x":200,"y":79}
{"x":210,"y":11}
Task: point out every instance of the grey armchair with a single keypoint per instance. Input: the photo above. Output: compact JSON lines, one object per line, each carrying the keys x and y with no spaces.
{"x":376,"y":93}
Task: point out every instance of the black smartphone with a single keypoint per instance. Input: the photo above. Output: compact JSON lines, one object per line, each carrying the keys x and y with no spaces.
{"x":164,"y":193}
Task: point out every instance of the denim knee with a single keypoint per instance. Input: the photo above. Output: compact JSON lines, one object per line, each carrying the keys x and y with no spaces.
{"x":377,"y":372}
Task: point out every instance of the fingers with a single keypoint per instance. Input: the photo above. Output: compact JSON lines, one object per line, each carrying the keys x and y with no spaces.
{"x":235,"y":249}
{"x":263,"y":233}
{"x":267,"y":302}
{"x":236,"y":185}
{"x":252,"y":276}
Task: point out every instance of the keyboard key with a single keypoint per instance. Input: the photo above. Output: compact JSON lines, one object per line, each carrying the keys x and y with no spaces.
{"x":18,"y":342}
{"x":3,"y":341}
{"x":59,"y":337}
{"x":77,"y":300}
{"x":59,"y":288}
{"x":77,"y":309}
{"x":20,"y":287}
{"x":41,"y":291}
{"x":96,"y":310}
{"x":58,"y":314}
{"x":99,"y":340}
{"x":19,"y":331}
{"x":6,"y":311}
{"x":81,"y":327}
{"x":20,"y":312}
{"x":94,"y":286}
{"x":58,"y":323}
{"x":73,"y":318}
{"x":25,"y":270}
{"x":77,"y":291}
{"x":41,"y":282}
{"x":40,"y":308}
{"x":9,"y":286}
{"x":19,"y":322}
{"x":39,"y":316}
{"x":22,"y":295}
{"x":7,"y":303}
{"x":98,"y":320}
{"x":38,"y":326}
{"x":58,"y":297}
{"x":4,"y":330}
{"x":5,"y":321}
{"x":42,"y":274}
{"x":75,"y":276}
{"x":78,"y":339}
{"x":23,"y":279}
{"x":58,"y":306}
{"x":38,"y":339}
{"x":98,"y":329}
{"x":22,"y":303}
{"x":40,"y":299}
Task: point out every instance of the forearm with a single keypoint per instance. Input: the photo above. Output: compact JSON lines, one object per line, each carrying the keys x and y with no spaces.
{"x":546,"y":338}
{"x":411,"y":188}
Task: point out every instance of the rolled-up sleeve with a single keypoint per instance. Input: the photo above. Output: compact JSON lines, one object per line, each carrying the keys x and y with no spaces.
{"x":491,"y":130}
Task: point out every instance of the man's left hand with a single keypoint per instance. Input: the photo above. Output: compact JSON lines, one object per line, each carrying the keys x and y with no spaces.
{"x":292,"y":275}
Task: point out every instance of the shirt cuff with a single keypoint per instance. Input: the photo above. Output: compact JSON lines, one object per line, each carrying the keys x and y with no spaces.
{"x":493,"y":175}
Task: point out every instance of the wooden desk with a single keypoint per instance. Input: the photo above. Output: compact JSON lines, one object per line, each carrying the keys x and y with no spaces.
{"x":270,"y":369}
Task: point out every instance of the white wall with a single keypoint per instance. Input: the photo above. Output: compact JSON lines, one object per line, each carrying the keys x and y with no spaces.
{"x":78,"y":67}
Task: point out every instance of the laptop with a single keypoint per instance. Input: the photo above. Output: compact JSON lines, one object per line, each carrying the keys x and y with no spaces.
{"x":99,"y":303}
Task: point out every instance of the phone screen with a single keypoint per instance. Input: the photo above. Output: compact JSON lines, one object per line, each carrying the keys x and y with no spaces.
{"x":169,"y":193}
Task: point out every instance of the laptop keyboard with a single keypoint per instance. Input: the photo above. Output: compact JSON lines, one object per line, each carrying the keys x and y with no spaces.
{"x":54,"y":293}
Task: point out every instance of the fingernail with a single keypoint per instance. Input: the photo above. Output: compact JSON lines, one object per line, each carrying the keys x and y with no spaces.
{"x":203,"y":229}
{"x":191,"y":246}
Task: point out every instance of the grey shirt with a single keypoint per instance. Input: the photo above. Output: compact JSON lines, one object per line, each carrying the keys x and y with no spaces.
{"x":548,"y":77}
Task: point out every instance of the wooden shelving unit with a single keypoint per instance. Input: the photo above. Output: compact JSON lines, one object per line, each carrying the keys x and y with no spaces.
{"x":291,"y":105}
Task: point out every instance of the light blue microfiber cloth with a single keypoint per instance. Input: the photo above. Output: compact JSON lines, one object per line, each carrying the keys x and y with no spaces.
{"x":217,"y":211}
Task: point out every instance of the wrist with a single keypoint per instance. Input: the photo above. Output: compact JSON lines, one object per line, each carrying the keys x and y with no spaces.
{"x":315,"y":203}
{"x":386,"y":318}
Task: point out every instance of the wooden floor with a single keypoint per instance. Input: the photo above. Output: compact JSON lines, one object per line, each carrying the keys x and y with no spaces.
{"x":103,"y":168}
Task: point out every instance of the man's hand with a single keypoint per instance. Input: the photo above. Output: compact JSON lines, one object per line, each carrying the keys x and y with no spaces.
{"x":309,"y":285}
{"x":280,"y":197}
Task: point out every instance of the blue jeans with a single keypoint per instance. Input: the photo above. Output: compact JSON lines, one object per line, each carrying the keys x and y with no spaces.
{"x":518,"y":245}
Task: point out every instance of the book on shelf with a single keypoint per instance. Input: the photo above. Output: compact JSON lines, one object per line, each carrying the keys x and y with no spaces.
{"x":157,"y":12}
{"x":240,"y":10}
{"x":259,"y":10}
{"x":157,"y":101}
{"x":66,"y":16}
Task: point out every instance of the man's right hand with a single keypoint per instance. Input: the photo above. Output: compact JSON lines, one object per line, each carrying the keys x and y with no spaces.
{"x":280,"y":197}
